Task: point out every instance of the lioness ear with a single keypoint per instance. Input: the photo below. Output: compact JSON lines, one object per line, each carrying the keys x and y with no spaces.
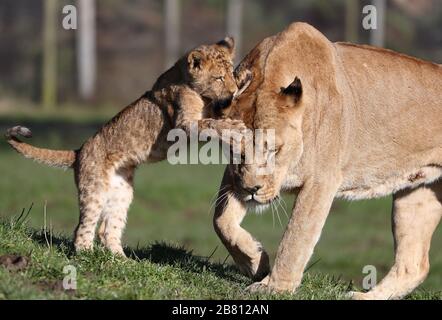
{"x":227,"y":43}
{"x":243,"y":78}
{"x":294,"y":89}
{"x":195,"y":60}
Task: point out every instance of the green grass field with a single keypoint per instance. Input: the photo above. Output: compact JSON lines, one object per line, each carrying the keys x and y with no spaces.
{"x":171,"y":210}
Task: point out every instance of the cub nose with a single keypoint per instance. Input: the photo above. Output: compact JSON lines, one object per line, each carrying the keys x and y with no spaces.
{"x":253,"y":190}
{"x":223,"y":103}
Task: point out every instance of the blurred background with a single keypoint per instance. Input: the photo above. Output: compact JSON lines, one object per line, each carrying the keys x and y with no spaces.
{"x":64,"y":82}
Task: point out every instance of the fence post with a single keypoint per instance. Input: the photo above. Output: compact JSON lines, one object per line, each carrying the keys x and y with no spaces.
{"x":377,"y":36}
{"x":172,"y":31}
{"x":86,"y":49}
{"x":49,"y":76}
{"x":234,"y":23}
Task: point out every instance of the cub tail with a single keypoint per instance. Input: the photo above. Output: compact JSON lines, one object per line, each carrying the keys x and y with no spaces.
{"x":54,"y":158}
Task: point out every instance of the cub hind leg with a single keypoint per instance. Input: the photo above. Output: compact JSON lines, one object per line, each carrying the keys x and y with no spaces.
{"x":114,"y":215}
{"x":92,"y":196}
{"x":416,"y":214}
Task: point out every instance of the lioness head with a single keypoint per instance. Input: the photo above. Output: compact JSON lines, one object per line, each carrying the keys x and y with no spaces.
{"x":258,"y":182}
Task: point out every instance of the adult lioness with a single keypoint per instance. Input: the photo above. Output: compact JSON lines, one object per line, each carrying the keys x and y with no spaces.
{"x":198,"y":85}
{"x":360,"y":122}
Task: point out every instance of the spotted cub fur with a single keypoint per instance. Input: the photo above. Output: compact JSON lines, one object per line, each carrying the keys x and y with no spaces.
{"x":198,"y":85}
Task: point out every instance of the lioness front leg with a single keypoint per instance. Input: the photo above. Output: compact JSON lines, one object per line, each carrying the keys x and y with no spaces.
{"x":246,"y":251}
{"x":416,"y":214}
{"x":300,"y":237}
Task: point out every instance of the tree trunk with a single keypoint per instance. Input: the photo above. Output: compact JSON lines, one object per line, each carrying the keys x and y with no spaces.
{"x":234,"y":24}
{"x":49,"y":77}
{"x":86,"y":49}
{"x":172,"y":31}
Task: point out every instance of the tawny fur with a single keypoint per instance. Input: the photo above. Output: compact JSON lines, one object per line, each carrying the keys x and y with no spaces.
{"x":368,"y":124}
{"x":197,"y":86}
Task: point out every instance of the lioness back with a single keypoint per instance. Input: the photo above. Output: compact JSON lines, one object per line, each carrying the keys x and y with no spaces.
{"x":397,"y":91}
{"x":397,"y":104}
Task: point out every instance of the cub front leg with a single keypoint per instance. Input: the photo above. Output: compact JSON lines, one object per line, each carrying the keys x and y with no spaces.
{"x":213,"y":127}
{"x":246,"y":251}
{"x":191,"y":116}
{"x":223,"y":129}
{"x":300,"y":237}
{"x":221,"y":124}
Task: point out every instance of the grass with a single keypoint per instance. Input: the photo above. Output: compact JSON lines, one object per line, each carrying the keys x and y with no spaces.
{"x":158,"y":271}
{"x":172,"y":206}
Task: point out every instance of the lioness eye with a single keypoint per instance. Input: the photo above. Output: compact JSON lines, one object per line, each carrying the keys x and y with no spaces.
{"x":221,"y":78}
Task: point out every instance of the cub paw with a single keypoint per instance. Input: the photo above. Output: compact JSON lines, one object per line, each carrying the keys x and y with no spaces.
{"x":234,"y":124}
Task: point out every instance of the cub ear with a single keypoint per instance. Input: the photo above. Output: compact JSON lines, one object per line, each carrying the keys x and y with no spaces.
{"x":243,"y":78}
{"x":195,"y":60}
{"x":294,"y":89}
{"x":228,"y":43}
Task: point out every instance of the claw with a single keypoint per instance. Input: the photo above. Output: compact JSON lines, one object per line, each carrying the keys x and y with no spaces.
{"x":354,"y":295}
{"x":258,"y":287}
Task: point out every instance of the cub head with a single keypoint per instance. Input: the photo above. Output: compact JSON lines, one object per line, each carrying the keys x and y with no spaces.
{"x":275,"y":114}
{"x":208,"y":71}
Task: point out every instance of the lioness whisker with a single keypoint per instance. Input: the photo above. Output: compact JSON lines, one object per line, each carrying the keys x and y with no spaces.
{"x":273,"y":215}
{"x":215,"y":198}
{"x":280,"y":202}
{"x":279,"y":218}
{"x":220,"y":198}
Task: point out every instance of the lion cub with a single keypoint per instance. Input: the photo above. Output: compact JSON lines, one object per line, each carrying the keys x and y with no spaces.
{"x":196,"y":86}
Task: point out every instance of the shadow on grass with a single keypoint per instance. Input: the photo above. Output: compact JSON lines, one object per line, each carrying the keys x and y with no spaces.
{"x":158,"y":253}
{"x":61,"y":243}
{"x":165,"y":254}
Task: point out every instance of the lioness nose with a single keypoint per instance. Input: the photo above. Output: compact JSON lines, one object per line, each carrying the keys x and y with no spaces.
{"x":253,"y":190}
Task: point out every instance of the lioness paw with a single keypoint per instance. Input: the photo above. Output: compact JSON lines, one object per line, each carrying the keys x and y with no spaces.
{"x":354,"y":295}
{"x":260,"y":287}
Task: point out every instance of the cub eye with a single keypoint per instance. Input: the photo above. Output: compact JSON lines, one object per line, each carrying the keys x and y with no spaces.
{"x":221,"y":78}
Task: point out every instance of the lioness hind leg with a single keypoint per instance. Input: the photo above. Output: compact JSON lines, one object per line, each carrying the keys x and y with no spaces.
{"x":416,"y":214}
{"x":246,"y":251}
